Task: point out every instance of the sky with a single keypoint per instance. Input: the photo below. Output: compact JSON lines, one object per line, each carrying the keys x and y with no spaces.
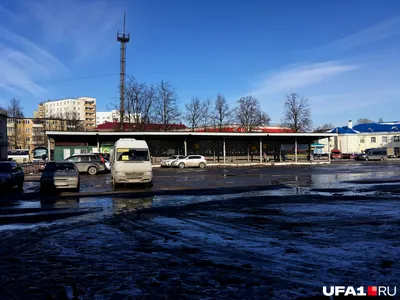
{"x":343,"y":56}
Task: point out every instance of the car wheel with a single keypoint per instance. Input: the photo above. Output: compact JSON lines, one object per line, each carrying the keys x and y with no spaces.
{"x":202,"y":165}
{"x":366,"y":159}
{"x":92,"y":170}
{"x":181,"y":165}
{"x":382,"y":159}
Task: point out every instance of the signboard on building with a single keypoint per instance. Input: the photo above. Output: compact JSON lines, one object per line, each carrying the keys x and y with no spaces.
{"x":106,"y":150}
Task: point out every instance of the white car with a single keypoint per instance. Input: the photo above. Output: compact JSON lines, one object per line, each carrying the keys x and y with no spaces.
{"x":167,"y":162}
{"x":190,"y":161}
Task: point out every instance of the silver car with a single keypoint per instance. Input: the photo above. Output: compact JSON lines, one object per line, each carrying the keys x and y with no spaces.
{"x":60,"y":175}
{"x":11,"y":174}
{"x":167,"y":162}
{"x":89,"y":163}
{"x":190,"y":161}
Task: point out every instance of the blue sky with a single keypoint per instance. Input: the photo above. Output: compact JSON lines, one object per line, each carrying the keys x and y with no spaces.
{"x":342,"y":55}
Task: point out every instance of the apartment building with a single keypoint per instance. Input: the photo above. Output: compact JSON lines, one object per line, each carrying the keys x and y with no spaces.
{"x":29,"y":133}
{"x":113,"y":116}
{"x":3,"y":137}
{"x":80,"y":109}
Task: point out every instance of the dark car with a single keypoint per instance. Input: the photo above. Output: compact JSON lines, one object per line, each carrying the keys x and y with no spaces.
{"x":11,"y":174}
{"x":89,"y":163}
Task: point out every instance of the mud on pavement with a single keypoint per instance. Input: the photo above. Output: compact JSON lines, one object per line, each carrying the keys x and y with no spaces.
{"x":255,"y":247}
{"x":308,"y":227}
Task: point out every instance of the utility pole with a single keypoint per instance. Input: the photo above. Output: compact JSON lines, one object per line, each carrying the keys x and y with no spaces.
{"x":123,"y":38}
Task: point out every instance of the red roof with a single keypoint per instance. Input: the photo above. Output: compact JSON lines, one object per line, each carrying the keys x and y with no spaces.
{"x":145,"y":127}
{"x":239,"y":129}
{"x":114,"y":126}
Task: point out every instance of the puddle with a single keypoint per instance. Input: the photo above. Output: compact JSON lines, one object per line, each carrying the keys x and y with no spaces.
{"x":66,"y":211}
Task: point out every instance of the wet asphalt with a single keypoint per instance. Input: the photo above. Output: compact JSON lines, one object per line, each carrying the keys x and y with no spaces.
{"x":255,"y":232}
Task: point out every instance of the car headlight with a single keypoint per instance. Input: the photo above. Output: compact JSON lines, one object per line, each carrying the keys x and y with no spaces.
{"x":120,"y":173}
{"x":148,"y":173}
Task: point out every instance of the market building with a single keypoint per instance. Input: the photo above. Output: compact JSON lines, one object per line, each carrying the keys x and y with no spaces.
{"x":222,"y":147}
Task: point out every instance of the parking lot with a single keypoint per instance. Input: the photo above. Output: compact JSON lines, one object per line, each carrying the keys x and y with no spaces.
{"x":254,"y":232}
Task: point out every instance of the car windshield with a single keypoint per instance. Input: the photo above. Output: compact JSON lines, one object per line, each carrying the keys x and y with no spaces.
{"x":132,"y":155}
{"x":5,"y":167}
{"x":53,"y":167}
{"x":37,"y":153}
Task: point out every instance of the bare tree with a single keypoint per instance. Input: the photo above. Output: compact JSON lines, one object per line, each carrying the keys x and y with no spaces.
{"x":324,"y":128}
{"x":147,"y":110}
{"x":166,"y":108}
{"x":364,"y":121}
{"x":223,"y":113}
{"x":14,"y":109}
{"x":207,"y":117}
{"x":140,"y":101}
{"x":194,"y":112}
{"x":249,"y":114}
{"x":3,"y":110}
{"x":72,"y":121}
{"x":135,"y":97}
{"x":297,"y":114}
{"x":14,"y":112}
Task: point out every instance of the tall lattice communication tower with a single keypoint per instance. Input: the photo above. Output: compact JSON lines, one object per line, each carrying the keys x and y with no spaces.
{"x":122,"y":37}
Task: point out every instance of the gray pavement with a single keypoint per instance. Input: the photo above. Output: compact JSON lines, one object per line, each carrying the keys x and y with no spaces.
{"x":216,"y":233}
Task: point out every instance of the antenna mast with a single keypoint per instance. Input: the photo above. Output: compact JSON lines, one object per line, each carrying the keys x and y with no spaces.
{"x":123,"y":37}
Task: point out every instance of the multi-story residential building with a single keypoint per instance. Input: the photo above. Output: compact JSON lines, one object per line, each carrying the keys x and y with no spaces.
{"x":78,"y":109}
{"x":3,"y":137}
{"x":113,"y":116}
{"x":29,"y":133}
{"x":364,"y":136}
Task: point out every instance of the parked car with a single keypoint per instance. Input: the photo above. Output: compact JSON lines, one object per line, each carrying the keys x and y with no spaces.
{"x":336,"y":154}
{"x":106,"y":158}
{"x":167,"y":162}
{"x":88,"y":163}
{"x":11,"y":174}
{"x":60,"y":175}
{"x":348,"y":156}
{"x":373,"y":154}
{"x":190,"y":161}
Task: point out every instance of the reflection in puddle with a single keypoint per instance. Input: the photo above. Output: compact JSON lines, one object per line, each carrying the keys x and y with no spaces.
{"x":93,"y":209}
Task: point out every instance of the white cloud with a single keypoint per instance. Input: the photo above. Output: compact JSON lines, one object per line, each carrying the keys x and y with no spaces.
{"x":23,"y":62}
{"x":375,"y":33}
{"x":60,"y":33}
{"x":357,"y":101}
{"x":300,"y":76}
{"x":82,"y":28}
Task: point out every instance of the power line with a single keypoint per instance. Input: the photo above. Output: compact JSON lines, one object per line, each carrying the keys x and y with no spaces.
{"x":62,"y":80}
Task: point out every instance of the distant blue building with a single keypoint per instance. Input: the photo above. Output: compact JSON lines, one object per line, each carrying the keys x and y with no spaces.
{"x":355,"y":139}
